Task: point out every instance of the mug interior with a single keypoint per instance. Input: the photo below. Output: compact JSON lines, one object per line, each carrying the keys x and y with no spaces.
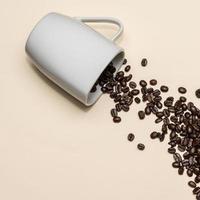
{"x":117,"y":63}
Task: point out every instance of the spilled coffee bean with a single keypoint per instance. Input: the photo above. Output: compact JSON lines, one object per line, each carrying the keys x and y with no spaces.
{"x":179,"y":119}
{"x":144,"y":62}
{"x":131,"y":137}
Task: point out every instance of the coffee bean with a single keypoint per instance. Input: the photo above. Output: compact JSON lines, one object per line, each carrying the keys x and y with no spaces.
{"x":183,"y":99}
{"x":153,"y":82}
{"x":125,"y":108}
{"x":171,"y":150}
{"x":181,"y":171}
{"x":159,"y":105}
{"x":159,"y":114}
{"x":125,"y":89}
{"x":118,"y":107}
{"x":127,"y":68}
{"x":162,"y":137}
{"x":144,"y":62}
{"x":197,"y":93}
{"x":192,"y":184}
{"x":196,"y":190}
{"x":154,"y":135}
{"x":128,"y":78}
{"x":177,"y":157}
{"x":141,"y":146}
{"x":131,"y":137}
{"x":175,"y":165}
{"x":147,"y":110}
{"x":137,"y":100}
{"x":116,"y":119}
{"x":135,"y":92}
{"x":141,"y":114}
{"x":125,"y":61}
{"x":164,"y":88}
{"x":143,"y":83}
{"x":158,"y":120}
{"x":182,"y":90}
{"x":156,"y":92}
{"x":189,"y":173}
{"x":197,"y":179}
{"x":113,"y":112}
{"x":132,"y":85}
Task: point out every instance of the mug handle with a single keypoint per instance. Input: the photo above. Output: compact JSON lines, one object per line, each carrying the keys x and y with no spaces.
{"x":105,"y":20}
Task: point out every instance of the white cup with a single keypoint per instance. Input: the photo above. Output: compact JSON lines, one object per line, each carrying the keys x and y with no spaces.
{"x":72,"y":54}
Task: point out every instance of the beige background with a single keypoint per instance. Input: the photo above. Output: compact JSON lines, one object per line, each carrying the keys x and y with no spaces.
{"x":51,"y":147}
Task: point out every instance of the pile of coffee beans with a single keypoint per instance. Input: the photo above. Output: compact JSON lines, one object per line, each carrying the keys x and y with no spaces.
{"x":180,"y":119}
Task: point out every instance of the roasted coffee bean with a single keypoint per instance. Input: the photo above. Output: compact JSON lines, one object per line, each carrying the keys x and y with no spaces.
{"x":181,"y":170}
{"x":141,"y":114}
{"x":154,"y":135}
{"x":156,"y":92}
{"x":125,"y":61}
{"x":123,"y":83}
{"x":185,"y":163}
{"x":197,"y":179}
{"x":173,"y":134}
{"x":189,"y":172}
{"x":144,"y":62}
{"x":143,"y":83}
{"x":166,"y":113}
{"x":183,"y":99}
{"x":125,"y":108}
{"x":192,"y":184}
{"x":135,"y":92}
{"x":168,"y":103}
{"x":149,"y":90}
{"x":118,"y":107}
{"x":157,"y":99}
{"x":129,"y":102}
{"x":164,"y":88}
{"x":154,"y":110}
{"x":141,"y":146}
{"x":177,"y":157}
{"x":164,"y":128}
{"x":159,"y":114}
{"x":166,"y":121}
{"x":182,"y":90}
{"x":120,"y":74}
{"x":132,"y":85}
{"x":159,"y":105}
{"x":175,"y":164}
{"x":153,"y":82}
{"x":128,"y":78}
{"x":148,"y":98}
{"x":196,"y":190}
{"x":171,"y":150}
{"x":158,"y":120}
{"x":162,"y":137}
{"x":181,"y":148}
{"x":137,"y":100}
{"x":116,"y":119}
{"x":127,"y":68}
{"x":197,"y":93}
{"x":131,"y":137}
{"x":147,"y":110}
{"x":113,"y":112}
{"x":125,"y":89}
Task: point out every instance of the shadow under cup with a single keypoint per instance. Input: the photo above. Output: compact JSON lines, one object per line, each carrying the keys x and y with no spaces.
{"x":117,"y":63}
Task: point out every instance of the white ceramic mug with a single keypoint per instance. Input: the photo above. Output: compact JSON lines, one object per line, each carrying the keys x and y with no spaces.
{"x":72,"y":54}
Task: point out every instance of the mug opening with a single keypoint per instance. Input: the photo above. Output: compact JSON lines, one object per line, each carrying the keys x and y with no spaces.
{"x":117,"y":63}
